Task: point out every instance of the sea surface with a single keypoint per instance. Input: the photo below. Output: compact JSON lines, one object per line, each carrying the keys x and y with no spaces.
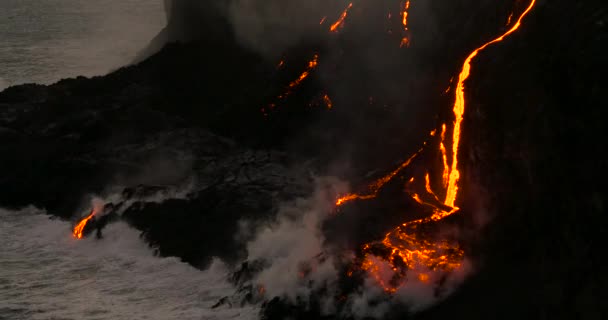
{"x":47,"y":274}
{"x":43,"y":41}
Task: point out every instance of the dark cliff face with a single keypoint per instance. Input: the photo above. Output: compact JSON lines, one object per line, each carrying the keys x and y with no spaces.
{"x":532,"y":160}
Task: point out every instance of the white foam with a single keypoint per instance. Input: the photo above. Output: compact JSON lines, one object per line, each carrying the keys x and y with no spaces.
{"x":47,"y":274}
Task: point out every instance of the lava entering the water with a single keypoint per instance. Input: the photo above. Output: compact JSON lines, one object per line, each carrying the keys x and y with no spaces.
{"x":79,"y":228}
{"x":409,"y":247}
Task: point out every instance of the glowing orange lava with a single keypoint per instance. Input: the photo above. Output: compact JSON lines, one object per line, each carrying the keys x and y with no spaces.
{"x":334,"y":27}
{"x":405,"y":41}
{"x":79,"y":228}
{"x":374,"y":187}
{"x":312,"y":64}
{"x":459,"y":105}
{"x":444,"y":157}
{"x":408,"y":248}
{"x":327,"y":101}
{"x":509,"y":19}
{"x":427,"y":186}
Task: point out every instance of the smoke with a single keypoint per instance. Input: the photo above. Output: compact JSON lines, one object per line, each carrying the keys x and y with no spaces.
{"x":117,"y":200}
{"x":118,"y":277}
{"x":271,"y":27}
{"x":3,"y":84}
{"x":299,"y":263}
{"x":379,"y":89}
{"x":294,"y":241}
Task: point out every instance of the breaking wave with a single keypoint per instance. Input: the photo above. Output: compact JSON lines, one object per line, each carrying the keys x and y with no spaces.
{"x":47,"y":274}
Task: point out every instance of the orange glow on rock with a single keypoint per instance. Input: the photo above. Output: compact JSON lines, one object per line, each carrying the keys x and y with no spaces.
{"x":327,"y":101}
{"x":375,"y":186}
{"x":459,"y":106}
{"x":312,"y":64}
{"x":409,"y":247}
{"x":405,"y":41}
{"x":79,"y":228}
{"x":336,"y":25}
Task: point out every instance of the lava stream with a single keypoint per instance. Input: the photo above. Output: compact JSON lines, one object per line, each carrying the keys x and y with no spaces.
{"x":408,"y":247}
{"x":405,"y":41}
{"x":459,"y":106}
{"x":375,"y":186}
{"x":334,"y":27}
{"x":312,"y":64}
{"x":79,"y":228}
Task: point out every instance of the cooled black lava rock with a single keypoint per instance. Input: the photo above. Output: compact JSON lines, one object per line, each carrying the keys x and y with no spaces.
{"x":531,"y":153}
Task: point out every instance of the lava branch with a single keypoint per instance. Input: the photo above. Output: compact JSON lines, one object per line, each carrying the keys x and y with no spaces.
{"x":407,"y":248}
{"x":340,"y":22}
{"x":327,"y":100}
{"x":459,"y":106}
{"x":444,"y":157}
{"x":312,"y":64}
{"x":79,"y":228}
{"x":375,"y":186}
{"x":405,"y":41}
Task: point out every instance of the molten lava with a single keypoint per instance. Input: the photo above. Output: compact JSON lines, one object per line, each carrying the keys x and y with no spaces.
{"x":427,"y":186}
{"x":340,"y":22}
{"x":312,"y":64}
{"x":327,"y":101}
{"x":444,"y":157}
{"x":459,"y":106}
{"x":374,"y":187}
{"x":408,"y":248}
{"x":79,"y":228}
{"x":405,"y":41}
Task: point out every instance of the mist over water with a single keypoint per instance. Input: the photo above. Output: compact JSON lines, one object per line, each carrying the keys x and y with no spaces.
{"x":46,"y":274}
{"x":43,"y":41}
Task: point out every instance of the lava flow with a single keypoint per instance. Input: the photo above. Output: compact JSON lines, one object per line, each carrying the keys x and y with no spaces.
{"x":312,"y":64}
{"x":374,"y":187}
{"x":405,"y":41}
{"x":409,"y":250}
{"x":79,"y":228}
{"x":336,"y":25}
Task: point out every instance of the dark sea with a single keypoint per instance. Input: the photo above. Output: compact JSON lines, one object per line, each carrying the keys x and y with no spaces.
{"x":43,"y":41}
{"x":45,"y":273}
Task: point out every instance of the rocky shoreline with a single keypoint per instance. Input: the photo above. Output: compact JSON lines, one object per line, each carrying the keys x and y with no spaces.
{"x":187,"y":120}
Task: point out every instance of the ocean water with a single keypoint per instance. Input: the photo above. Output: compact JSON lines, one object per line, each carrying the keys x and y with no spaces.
{"x":47,"y":274}
{"x":43,"y":41}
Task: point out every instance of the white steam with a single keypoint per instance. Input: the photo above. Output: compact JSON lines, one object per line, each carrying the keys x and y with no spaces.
{"x":271,"y":27}
{"x":47,"y":274}
{"x":297,"y":263}
{"x":293,"y":242}
{"x":117,"y":196}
